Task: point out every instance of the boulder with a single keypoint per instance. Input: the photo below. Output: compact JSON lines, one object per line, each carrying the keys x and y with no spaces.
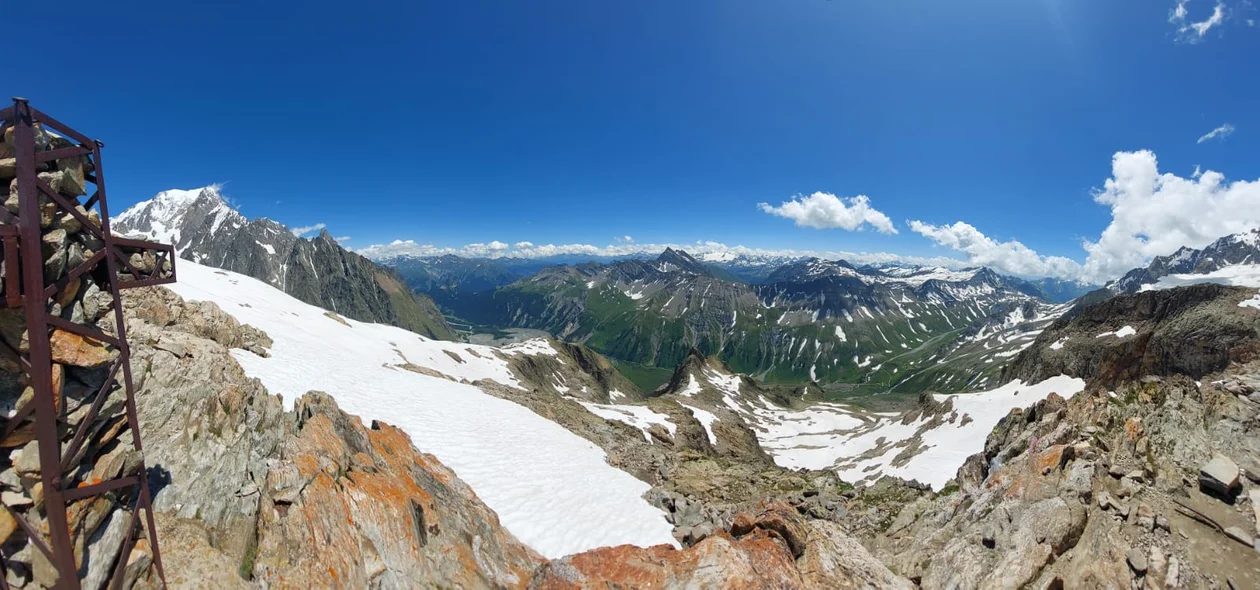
{"x":832,"y":559}
{"x":1220,"y":476}
{"x":72,"y":349}
{"x":1137,"y":560}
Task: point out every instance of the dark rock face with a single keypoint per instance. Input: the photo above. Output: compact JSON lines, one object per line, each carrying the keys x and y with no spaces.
{"x":1189,"y":331}
{"x":206,"y":230}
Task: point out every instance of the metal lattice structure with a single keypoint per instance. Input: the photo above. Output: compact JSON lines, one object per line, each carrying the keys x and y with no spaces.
{"x":111,"y":269}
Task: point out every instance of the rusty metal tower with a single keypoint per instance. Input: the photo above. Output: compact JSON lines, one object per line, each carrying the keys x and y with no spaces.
{"x":39,"y":143}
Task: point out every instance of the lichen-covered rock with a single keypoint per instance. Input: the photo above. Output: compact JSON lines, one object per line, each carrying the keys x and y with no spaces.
{"x":383,"y":514}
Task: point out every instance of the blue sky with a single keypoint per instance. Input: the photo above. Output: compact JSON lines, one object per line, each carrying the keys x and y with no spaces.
{"x":570,"y":121}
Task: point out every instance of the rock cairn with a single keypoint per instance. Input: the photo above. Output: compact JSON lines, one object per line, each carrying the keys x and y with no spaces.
{"x":80,"y":368}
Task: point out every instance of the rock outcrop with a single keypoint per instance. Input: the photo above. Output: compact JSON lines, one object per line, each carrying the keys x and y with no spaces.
{"x":770,"y":547}
{"x":308,"y":498}
{"x":1191,"y":331}
{"x":1143,"y":480}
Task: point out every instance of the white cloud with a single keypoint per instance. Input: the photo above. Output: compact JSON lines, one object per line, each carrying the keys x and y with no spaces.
{"x":1009,"y":257}
{"x":306,"y":229}
{"x":1190,"y":31}
{"x":706,"y":249}
{"x":1152,"y":214}
{"x":342,"y":239}
{"x":624,"y":240}
{"x":825,"y":210}
{"x":1220,"y":132}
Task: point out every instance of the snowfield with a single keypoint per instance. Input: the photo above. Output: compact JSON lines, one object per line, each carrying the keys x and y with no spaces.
{"x":551,"y":488}
{"x":1238,"y":275}
{"x":861,"y":446}
{"x":946,"y":447}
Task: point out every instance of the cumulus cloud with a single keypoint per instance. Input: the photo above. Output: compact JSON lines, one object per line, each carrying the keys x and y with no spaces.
{"x":1219,"y":133}
{"x":1010,"y":257}
{"x":1189,"y":30}
{"x":524,"y":245}
{"x":306,"y":229}
{"x":1152,"y":214}
{"x":826,"y":211}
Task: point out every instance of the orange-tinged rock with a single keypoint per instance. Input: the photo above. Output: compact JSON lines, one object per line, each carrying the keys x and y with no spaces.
{"x":1133,"y":428}
{"x":1052,"y":458}
{"x":758,"y":560}
{"x":72,"y":349}
{"x":374,"y":511}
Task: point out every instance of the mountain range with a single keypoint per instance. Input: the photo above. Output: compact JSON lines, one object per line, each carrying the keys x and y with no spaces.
{"x":809,"y":320}
{"x":204,"y":228}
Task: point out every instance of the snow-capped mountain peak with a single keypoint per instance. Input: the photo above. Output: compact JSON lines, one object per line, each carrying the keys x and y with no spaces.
{"x":205,"y":229}
{"x":164,"y":216}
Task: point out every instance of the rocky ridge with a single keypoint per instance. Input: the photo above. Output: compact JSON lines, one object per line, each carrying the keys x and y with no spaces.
{"x":204,"y":228}
{"x":1145,"y":480}
{"x":249,"y":495}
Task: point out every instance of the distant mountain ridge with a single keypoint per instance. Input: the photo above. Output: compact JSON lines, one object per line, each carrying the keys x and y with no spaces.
{"x":204,"y":228}
{"x":808,"y":320}
{"x":1235,"y":250}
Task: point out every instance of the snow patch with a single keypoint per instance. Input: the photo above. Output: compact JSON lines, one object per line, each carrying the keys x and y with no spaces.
{"x":706,"y":420}
{"x":1121,"y":333}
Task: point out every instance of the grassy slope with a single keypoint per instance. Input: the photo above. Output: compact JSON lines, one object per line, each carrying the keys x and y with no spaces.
{"x":415,"y":312}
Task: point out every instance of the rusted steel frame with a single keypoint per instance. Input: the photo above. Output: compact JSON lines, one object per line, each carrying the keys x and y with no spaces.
{"x":47,"y":121}
{"x":146,"y":282}
{"x":12,"y":286}
{"x":83,"y":331}
{"x":66,"y":206}
{"x":125,"y":359}
{"x":134,"y":243}
{"x":5,"y":115}
{"x":7,"y":218}
{"x":34,"y":535}
{"x":98,"y":401}
{"x":78,"y":271}
{"x":95,"y":489}
{"x":61,"y":153}
{"x":40,"y":355}
{"x":129,"y":541}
